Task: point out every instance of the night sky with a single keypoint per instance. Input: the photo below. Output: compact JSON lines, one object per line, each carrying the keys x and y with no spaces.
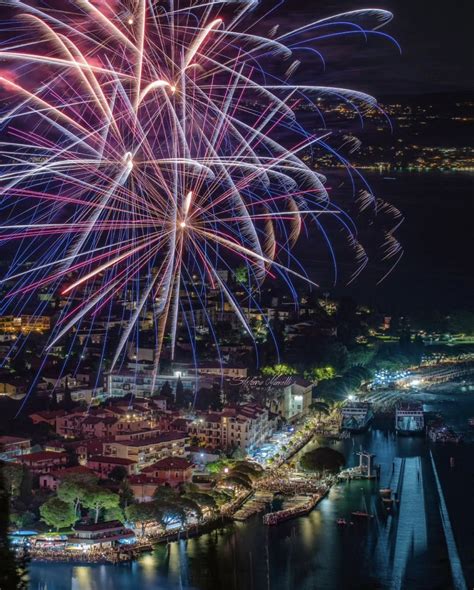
{"x":436,"y":41}
{"x":436,"y":59}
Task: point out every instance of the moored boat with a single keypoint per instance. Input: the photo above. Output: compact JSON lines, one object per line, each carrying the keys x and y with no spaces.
{"x":361,"y":514}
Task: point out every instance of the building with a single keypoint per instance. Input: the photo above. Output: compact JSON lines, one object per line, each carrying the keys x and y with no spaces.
{"x":234,"y":371}
{"x":171,"y":471}
{"x":43,"y":461}
{"x":101,"y":534}
{"x":207,"y":429}
{"x":24,"y":324}
{"x":68,"y":425}
{"x":52,"y":480}
{"x":84,"y":449}
{"x":12,"y":386}
{"x":48,"y":417}
{"x":143,"y":487}
{"x":245,"y":427}
{"x":87,"y":395}
{"x":97,"y":427}
{"x":147,"y":451}
{"x":203,"y":455}
{"x":285,"y":395}
{"x":240,"y":427}
{"x":12,"y":447}
{"x":103,"y":465}
{"x":142,"y":383}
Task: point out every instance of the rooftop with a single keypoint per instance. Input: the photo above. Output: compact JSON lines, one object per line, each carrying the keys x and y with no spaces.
{"x":168,"y":463}
{"x":155,"y":440}
{"x":113,"y":460}
{"x":11,"y":440}
{"x":100,"y":526}
{"x":42,"y":456}
{"x":76,"y":470}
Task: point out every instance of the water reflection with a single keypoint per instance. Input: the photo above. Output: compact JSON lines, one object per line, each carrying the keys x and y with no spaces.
{"x":313,"y":553}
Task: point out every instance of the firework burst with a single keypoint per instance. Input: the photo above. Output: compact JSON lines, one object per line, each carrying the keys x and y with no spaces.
{"x":145,"y":144}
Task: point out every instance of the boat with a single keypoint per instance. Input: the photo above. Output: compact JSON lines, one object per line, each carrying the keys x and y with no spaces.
{"x":387,"y":503}
{"x":356,"y":416}
{"x":385,"y":491}
{"x":361,"y":514}
{"x":409,"y":418}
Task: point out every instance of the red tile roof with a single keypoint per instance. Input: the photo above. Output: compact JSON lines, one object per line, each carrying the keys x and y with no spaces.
{"x":77,"y":469}
{"x":175,"y":463}
{"x":41,"y":456}
{"x":114,"y":460}
{"x":162,"y":438}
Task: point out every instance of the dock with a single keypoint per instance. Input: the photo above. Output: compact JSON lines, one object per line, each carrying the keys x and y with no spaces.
{"x":294,"y":507}
{"x":255,"y":504}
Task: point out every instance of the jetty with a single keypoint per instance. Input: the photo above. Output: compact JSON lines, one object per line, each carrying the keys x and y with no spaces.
{"x":294,"y":507}
{"x":253,"y":505}
{"x":365,"y":470}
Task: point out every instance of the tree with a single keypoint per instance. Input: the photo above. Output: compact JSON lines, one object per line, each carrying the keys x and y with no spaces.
{"x":125,"y":494}
{"x":53,"y":403}
{"x":141,"y":513}
{"x":207,"y":398}
{"x":165,"y":492}
{"x":12,"y":477}
{"x":361,"y":356}
{"x":461,"y":321}
{"x":26,"y":485}
{"x":180,"y":399}
{"x":204,"y":501}
{"x":320,"y":373}
{"x":118,"y":473}
{"x":167,"y":391}
{"x":74,"y":489}
{"x":189,"y":506}
{"x":21,"y":519}
{"x":279,"y":369}
{"x":251,"y":470}
{"x":238,"y":480}
{"x":58,"y":514}
{"x":12,"y":570}
{"x":114,"y":514}
{"x":319,"y":408}
{"x":241,"y":275}
{"x":68,"y":404}
{"x":322,"y":459}
{"x":97,"y":498}
{"x":218,"y":466}
{"x":335,"y":355}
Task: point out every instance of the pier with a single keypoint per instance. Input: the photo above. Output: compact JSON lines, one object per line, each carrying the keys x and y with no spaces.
{"x":297,"y":506}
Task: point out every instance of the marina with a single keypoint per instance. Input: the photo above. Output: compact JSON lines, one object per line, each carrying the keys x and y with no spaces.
{"x":315,"y":551}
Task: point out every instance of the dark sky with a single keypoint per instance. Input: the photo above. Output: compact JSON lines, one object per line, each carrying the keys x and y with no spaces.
{"x":436,"y":39}
{"x":437,"y":56}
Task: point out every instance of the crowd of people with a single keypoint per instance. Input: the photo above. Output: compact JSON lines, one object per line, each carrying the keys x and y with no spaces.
{"x":295,"y":510}
{"x":89,"y":555}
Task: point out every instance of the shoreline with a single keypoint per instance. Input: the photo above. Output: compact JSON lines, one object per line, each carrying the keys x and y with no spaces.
{"x":130,"y":554}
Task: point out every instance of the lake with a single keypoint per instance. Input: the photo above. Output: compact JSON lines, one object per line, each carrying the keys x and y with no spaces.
{"x":312,"y":552}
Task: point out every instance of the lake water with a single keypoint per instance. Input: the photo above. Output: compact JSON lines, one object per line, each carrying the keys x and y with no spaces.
{"x":312,"y":552}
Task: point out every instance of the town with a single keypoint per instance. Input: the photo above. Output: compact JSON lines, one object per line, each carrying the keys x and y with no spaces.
{"x":99,"y":466}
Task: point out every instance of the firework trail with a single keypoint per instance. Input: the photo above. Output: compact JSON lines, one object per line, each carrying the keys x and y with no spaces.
{"x":146,"y":146}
